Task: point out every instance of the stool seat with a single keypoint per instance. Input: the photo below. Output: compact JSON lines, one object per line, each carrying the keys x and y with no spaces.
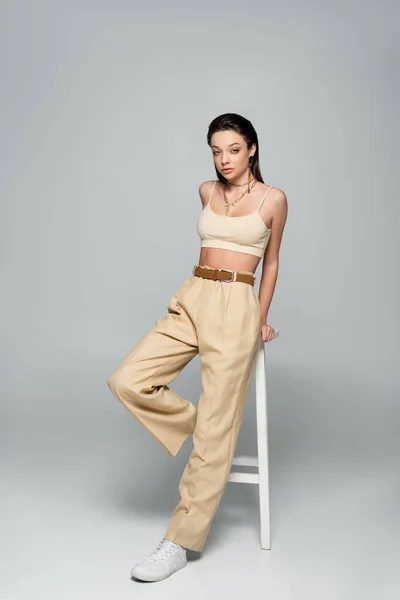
{"x":261,"y":461}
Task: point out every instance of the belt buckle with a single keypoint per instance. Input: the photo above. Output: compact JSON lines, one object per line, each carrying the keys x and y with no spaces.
{"x":228,"y":271}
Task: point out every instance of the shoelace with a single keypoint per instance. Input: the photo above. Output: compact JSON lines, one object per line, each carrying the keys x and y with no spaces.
{"x":164,"y":549}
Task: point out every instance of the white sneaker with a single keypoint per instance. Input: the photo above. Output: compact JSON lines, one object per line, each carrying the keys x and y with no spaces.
{"x":165,"y":560}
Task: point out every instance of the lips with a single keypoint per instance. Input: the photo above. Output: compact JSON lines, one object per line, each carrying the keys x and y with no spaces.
{"x":227,"y":170}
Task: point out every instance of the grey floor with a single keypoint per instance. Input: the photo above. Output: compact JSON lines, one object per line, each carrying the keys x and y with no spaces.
{"x":81,"y":506}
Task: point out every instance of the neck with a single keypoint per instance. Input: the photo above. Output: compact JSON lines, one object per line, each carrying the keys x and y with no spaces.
{"x":240,"y":180}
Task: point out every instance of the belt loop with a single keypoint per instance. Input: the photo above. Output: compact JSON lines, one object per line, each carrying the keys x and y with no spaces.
{"x":215,"y":274}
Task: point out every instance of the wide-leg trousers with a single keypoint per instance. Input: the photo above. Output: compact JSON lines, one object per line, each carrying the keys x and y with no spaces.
{"x":220,"y":321}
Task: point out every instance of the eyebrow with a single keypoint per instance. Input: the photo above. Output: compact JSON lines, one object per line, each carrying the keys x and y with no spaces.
{"x":234,"y":144}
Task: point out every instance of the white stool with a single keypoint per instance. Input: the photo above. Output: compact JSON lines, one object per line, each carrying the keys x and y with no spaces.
{"x":262,"y":477}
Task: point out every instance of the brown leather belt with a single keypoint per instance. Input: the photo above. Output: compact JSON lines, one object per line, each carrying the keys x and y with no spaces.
{"x":223,"y":274}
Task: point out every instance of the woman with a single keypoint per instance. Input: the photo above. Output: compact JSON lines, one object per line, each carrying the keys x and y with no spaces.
{"x":217,"y":314}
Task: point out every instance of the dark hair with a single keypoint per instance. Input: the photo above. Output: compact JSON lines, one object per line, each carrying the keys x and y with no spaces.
{"x":243,"y":127}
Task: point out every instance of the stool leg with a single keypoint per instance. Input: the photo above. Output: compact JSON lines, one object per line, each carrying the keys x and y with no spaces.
{"x":262,"y":443}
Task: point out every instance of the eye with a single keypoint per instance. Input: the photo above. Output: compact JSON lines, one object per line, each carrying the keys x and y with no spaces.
{"x":235,"y":150}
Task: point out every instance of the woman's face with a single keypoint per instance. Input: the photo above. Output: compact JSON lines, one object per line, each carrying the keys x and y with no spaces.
{"x":230,"y":152}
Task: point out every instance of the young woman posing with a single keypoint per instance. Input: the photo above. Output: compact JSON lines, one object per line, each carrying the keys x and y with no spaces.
{"x":217,"y":314}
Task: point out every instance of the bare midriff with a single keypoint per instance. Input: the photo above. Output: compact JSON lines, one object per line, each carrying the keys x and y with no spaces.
{"x":219,"y":258}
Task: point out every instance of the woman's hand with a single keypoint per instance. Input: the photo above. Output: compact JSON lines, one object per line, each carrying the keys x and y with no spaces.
{"x":267,"y":332}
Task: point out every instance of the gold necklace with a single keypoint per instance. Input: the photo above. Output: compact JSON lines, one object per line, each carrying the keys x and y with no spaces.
{"x":227,"y":204}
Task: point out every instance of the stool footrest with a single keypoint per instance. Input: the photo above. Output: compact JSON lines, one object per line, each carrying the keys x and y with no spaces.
{"x":245,"y":461}
{"x":239,"y":477}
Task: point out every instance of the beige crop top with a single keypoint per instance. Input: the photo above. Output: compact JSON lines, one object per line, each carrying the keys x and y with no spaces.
{"x":246,"y":233}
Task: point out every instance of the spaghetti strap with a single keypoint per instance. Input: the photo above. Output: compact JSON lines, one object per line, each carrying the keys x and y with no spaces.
{"x":212,"y":191}
{"x":263,"y":198}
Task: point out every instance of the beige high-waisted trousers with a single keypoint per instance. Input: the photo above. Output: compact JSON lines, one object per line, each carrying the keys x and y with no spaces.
{"x":220,"y":321}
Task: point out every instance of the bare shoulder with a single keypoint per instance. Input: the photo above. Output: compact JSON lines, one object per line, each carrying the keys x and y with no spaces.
{"x":274,"y":209}
{"x":279,"y":208}
{"x":205,"y":190}
{"x":277,"y":195}
{"x":278,"y":200}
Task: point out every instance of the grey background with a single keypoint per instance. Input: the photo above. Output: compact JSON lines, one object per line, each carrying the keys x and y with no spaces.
{"x":105,"y":108}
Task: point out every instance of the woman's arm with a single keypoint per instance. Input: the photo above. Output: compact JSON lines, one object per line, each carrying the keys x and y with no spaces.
{"x":271,"y":256}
